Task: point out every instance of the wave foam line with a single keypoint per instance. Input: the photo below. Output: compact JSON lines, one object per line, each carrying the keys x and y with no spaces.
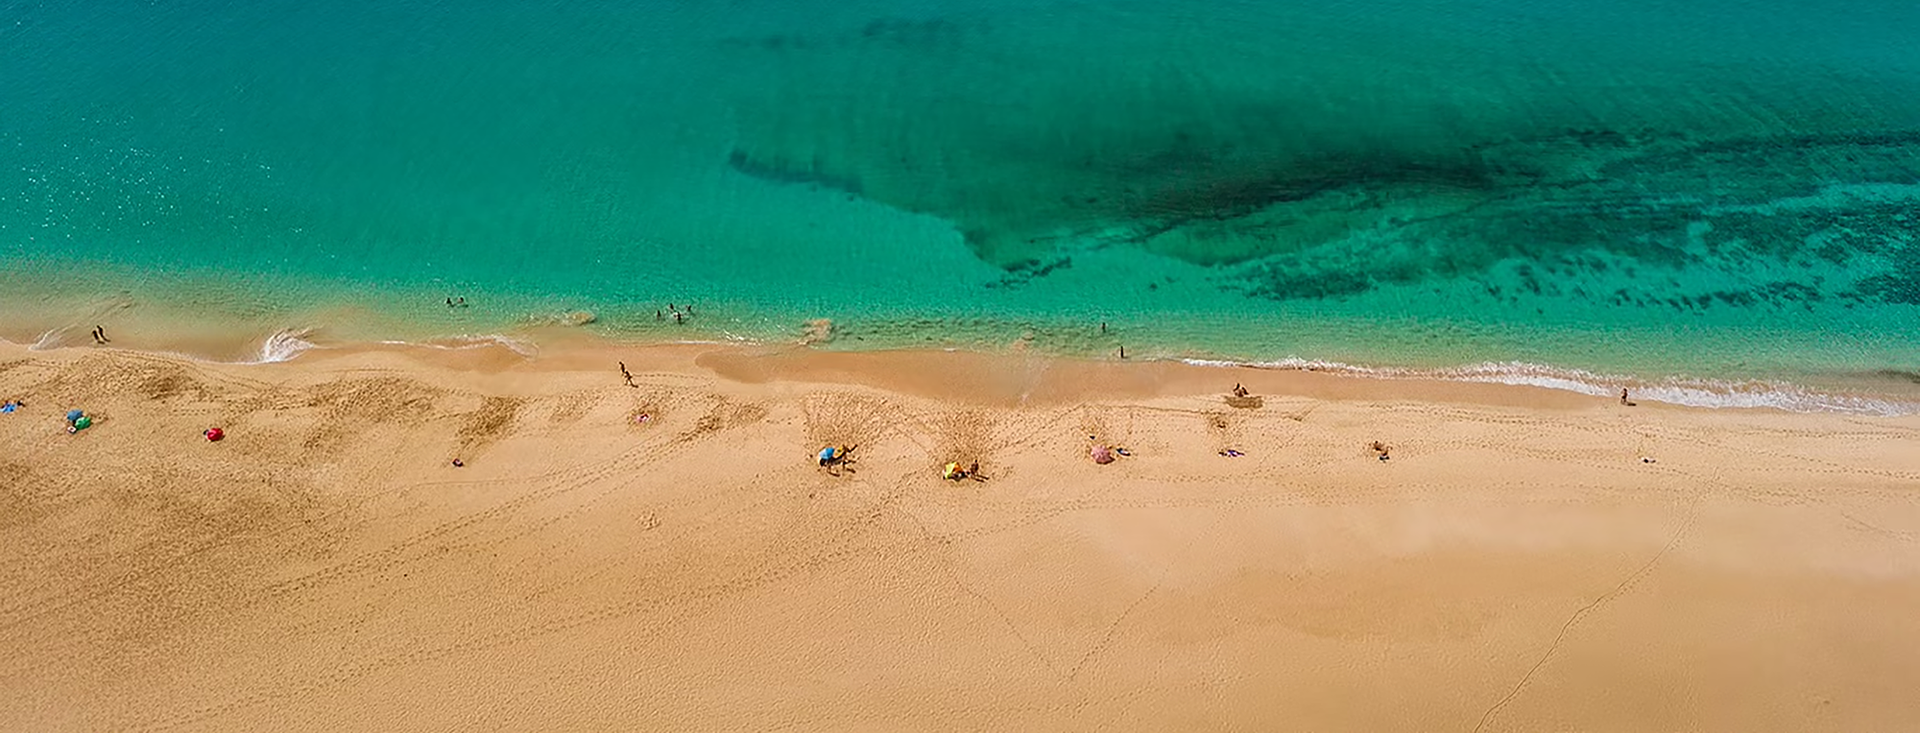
{"x":283,"y":345}
{"x":466,"y":342}
{"x":50,"y":340}
{"x":1689,"y":392}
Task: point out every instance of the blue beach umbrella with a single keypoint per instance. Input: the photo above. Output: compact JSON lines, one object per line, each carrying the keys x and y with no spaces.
{"x":75,"y":415}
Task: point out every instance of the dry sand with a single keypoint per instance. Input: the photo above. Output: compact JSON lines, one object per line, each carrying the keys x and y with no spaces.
{"x":1514,"y":567}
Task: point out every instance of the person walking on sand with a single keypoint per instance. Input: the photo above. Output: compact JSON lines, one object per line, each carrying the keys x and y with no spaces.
{"x":627,"y":374}
{"x":1239,"y":391}
{"x":1623,"y":398}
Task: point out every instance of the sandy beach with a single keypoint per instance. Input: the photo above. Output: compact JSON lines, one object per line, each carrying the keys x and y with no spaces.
{"x":1515,"y":566}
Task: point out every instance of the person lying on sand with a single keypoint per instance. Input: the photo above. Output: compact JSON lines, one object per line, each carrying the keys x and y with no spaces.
{"x":1231,"y":453}
{"x":1101,"y":454}
{"x":1379,"y":449}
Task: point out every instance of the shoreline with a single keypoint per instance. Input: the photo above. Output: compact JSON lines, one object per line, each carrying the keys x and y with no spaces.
{"x":572,"y":345}
{"x":226,"y":318}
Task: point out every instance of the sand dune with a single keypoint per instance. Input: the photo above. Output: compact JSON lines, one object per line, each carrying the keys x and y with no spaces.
{"x":1514,"y":566}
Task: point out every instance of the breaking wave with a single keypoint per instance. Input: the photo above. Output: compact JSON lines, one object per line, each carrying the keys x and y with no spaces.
{"x":283,"y":345}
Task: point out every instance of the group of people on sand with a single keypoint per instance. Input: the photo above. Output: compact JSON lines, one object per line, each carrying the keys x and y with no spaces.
{"x":953,"y":472}
{"x":836,"y":458}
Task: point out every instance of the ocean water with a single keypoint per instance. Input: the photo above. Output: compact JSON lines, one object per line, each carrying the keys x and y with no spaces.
{"x":1670,"y":194}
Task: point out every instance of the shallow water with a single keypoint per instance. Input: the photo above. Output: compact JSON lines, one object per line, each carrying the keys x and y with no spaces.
{"x":1715,"y":191}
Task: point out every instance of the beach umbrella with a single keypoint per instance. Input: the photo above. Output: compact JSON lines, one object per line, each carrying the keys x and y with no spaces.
{"x":75,"y":415}
{"x":826,"y":455}
{"x":1102,"y":454}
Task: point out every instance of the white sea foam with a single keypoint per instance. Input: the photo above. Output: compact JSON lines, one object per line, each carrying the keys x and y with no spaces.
{"x":1678,"y":391}
{"x":283,"y":345}
{"x":50,"y":340}
{"x":467,"y":342}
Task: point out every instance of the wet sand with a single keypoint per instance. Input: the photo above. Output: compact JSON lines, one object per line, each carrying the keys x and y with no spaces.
{"x":1515,"y":565}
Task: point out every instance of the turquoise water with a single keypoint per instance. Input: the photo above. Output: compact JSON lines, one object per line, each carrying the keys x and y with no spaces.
{"x":1713,"y":189}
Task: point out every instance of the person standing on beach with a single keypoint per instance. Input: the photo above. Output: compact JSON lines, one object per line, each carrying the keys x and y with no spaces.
{"x":627,"y":374}
{"x":1123,"y":352}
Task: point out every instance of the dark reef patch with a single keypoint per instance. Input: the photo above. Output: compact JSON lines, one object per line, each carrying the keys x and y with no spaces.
{"x":888,"y":33}
{"x":813,"y":173}
{"x":1291,"y":201}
